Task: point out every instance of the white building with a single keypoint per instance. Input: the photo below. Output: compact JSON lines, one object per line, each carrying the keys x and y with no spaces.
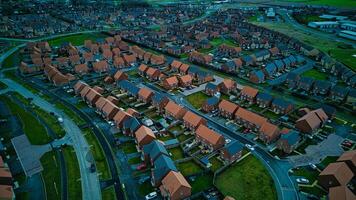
{"x":348,"y":26}
{"x":348,"y":34}
{"x":335,"y":17}
{"x":327,"y":25}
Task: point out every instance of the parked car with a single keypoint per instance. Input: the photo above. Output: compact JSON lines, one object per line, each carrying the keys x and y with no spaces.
{"x":142,"y":166}
{"x":302,"y":180}
{"x":143,"y":179}
{"x":151,"y":195}
{"x":250,"y":147}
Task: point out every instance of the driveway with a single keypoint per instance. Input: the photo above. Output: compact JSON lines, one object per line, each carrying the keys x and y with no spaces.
{"x":217,"y":80}
{"x":316,"y":153}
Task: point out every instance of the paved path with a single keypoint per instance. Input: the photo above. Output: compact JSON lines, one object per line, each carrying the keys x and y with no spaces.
{"x":201,"y":87}
{"x":90,"y":181}
{"x":316,"y":153}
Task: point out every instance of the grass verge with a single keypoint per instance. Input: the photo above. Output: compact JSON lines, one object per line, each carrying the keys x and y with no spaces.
{"x":73,"y":174}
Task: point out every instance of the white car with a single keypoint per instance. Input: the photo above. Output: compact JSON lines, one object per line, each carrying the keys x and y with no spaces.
{"x":302,"y":180}
{"x":249,"y":147}
{"x":227,"y":141}
{"x":151,"y":195}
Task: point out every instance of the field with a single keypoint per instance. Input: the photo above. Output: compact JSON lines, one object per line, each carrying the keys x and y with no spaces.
{"x":313,"y":73}
{"x":335,"y":49}
{"x":73,"y":174}
{"x":189,"y":168}
{"x":305,"y":19}
{"x":177,"y":153}
{"x":201,"y":183}
{"x":340,"y":3}
{"x":34,"y":130}
{"x":76,"y":40}
{"x":197,"y":99}
{"x":307,"y":173}
{"x":108,"y":193}
{"x":51,"y":175}
{"x":98,"y":154}
{"x":77,"y":120}
{"x":241,"y":179}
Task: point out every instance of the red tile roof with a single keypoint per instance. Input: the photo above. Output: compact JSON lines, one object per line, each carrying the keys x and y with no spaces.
{"x":228,"y":106}
{"x":249,"y":91}
{"x":250,"y":117}
{"x":209,"y":135}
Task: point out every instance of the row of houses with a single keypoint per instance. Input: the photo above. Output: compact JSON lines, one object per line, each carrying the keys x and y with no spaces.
{"x":6,"y":182}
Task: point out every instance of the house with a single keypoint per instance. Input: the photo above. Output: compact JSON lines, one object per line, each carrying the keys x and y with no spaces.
{"x":6,"y":192}
{"x":129,"y":59}
{"x":100,"y":103}
{"x":184,"y":69}
{"x":279,"y":64}
{"x":186,"y":80}
{"x":84,"y":91}
{"x":274,"y":51}
{"x":247,"y":60}
{"x":175,"y":186}
{"x":152,"y":74}
{"x":229,"y":67}
{"x":203,"y":77}
{"x":249,"y":119}
{"x":227,"y":109}
{"x":174,"y":110}
{"x":127,"y":86}
{"x":232,"y":152}
{"x":120,"y":75}
{"x":119,"y":62}
{"x":351,"y":97}
{"x":338,"y":93}
{"x":109,"y":110}
{"x":145,"y":95}
{"x":269,"y":132}
{"x":292,"y":80}
{"x":81,"y":69}
{"x":144,"y":135}
{"x":120,"y":118}
{"x":257,"y":76}
{"x":209,"y":138}
{"x":288,"y":141}
{"x":88,"y":57}
{"x":175,"y":65}
{"x":261,"y":55}
{"x":349,"y":157}
{"x":311,"y":121}
{"x":142,"y":69}
{"x":151,"y":151}
{"x":91,"y":97}
{"x":162,"y":166}
{"x":211,"y":104}
{"x":321,"y":87}
{"x":200,"y":58}
{"x":159,"y":101}
{"x":130,"y":126}
{"x":306,"y":84}
{"x":5,"y":177}
{"x":227,"y":86}
{"x":270,"y":70}
{"x":170,"y":83}
{"x":248,"y":94}
{"x":100,"y":66}
{"x":281,"y":106}
{"x":341,"y":193}
{"x":263,"y":99}
{"x":329,"y":110}
{"x":229,"y":50}
{"x":335,"y":174}
{"x":211,"y":89}
{"x":78,"y":87}
{"x":192,"y":121}
{"x":133,"y":112}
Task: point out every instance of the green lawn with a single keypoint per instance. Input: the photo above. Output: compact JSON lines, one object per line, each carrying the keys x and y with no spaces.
{"x":197,"y":99}
{"x":176,"y":129}
{"x":165,"y":137}
{"x":313,"y":73}
{"x":135,"y":160}
{"x":201,"y":183}
{"x":309,"y":174}
{"x":345,"y":56}
{"x":108,"y":193}
{"x":271,"y":115}
{"x":341,"y":3}
{"x":305,"y":144}
{"x":13,"y":60}
{"x":76,"y":40}
{"x":314,"y":190}
{"x":145,"y":188}
{"x":34,"y":130}
{"x":241,"y":179}
{"x":51,"y":175}
{"x":189,"y":168}
{"x":215,"y":164}
{"x":305,"y":19}
{"x":128,"y":147}
{"x":73,"y":174}
{"x":183,"y":137}
{"x":177,"y":153}
{"x":98,"y":154}
{"x":74,"y":116}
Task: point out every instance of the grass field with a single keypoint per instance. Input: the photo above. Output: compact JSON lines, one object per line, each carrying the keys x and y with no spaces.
{"x":189,"y":168}
{"x":219,"y":41}
{"x":197,"y":99}
{"x":215,"y":164}
{"x":98,"y":154}
{"x":34,"y":130}
{"x":73,"y":174}
{"x":13,"y":60}
{"x":108,"y":193}
{"x":76,"y":40}
{"x":201,"y":183}
{"x":145,"y":188}
{"x":307,"y":173}
{"x":135,"y":160}
{"x":128,"y":147}
{"x":2,"y":86}
{"x":78,"y":120}
{"x":241,"y":179}
{"x":51,"y":175}
{"x":305,"y":19}
{"x":313,"y":73}
{"x":177,"y":153}
{"x":340,"y":3}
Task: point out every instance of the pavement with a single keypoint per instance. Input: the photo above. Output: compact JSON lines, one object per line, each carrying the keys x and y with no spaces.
{"x":217,"y":80}
{"x":90,"y":181}
{"x":316,"y":153}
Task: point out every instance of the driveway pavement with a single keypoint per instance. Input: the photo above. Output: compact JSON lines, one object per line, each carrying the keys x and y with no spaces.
{"x":316,"y":153}
{"x":201,"y":87}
